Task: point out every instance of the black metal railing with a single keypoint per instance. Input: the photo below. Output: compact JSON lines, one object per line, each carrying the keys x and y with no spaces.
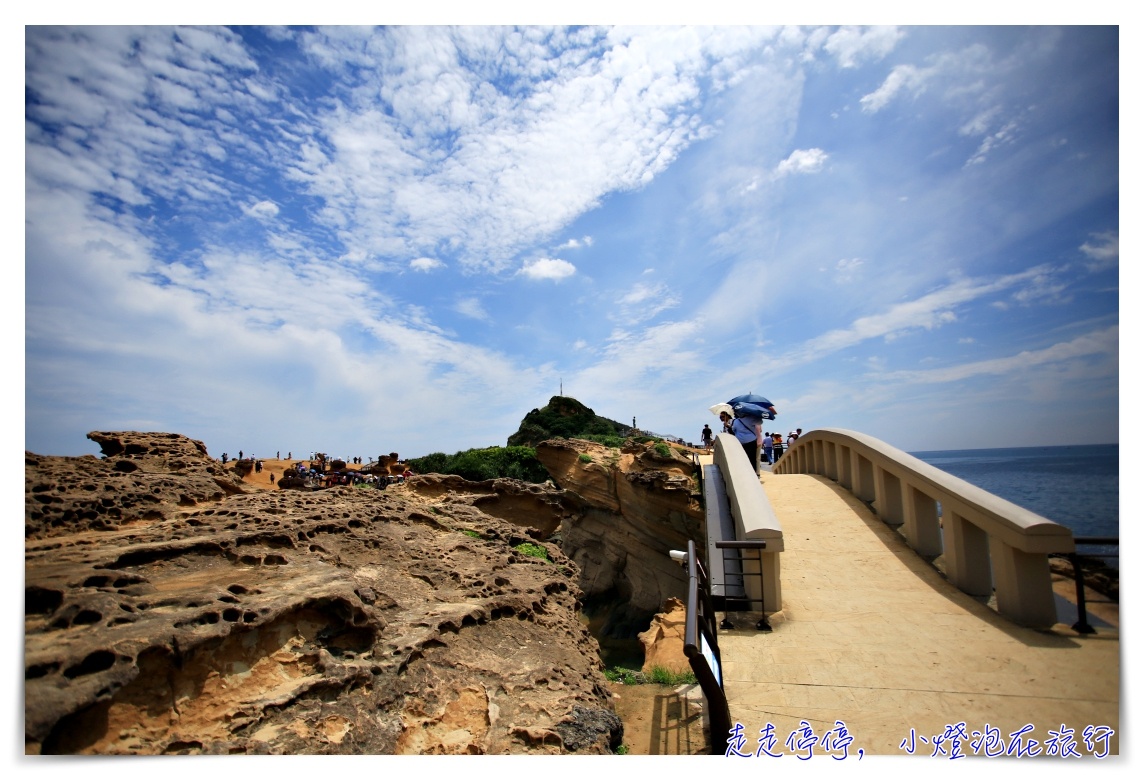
{"x":735,"y":588}
{"x":701,"y":646}
{"x":732,"y":592}
{"x":1081,"y":626}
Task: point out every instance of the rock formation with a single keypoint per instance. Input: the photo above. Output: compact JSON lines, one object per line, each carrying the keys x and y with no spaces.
{"x":140,"y":478}
{"x":170,"y":609}
{"x":633,"y":506}
{"x":663,"y":641}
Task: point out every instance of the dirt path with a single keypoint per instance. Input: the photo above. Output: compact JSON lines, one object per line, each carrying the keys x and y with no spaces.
{"x":660,"y":720}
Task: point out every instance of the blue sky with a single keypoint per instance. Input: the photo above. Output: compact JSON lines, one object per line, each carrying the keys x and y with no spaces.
{"x":404,"y":239}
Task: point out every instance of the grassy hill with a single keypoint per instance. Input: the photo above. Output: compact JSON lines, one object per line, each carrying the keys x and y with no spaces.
{"x":567,"y":418}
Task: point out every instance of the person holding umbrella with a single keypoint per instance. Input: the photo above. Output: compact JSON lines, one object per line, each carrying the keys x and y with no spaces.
{"x":745,"y":433}
{"x":725,"y":418}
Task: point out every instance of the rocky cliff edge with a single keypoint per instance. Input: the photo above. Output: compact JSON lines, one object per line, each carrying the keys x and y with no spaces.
{"x":170,"y":610}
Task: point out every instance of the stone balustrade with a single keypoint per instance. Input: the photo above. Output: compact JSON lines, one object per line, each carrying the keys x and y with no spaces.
{"x":753,"y":519}
{"x":988,"y":544}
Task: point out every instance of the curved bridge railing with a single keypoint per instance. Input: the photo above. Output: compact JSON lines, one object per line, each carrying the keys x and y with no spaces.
{"x":988,"y":544}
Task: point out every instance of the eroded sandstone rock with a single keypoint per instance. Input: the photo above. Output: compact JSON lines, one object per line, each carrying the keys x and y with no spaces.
{"x":209,"y":619}
{"x":142,"y":477}
{"x":663,"y":641}
{"x":636,"y":506}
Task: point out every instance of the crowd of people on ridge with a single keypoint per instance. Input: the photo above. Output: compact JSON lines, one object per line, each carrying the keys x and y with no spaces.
{"x":317,"y":471}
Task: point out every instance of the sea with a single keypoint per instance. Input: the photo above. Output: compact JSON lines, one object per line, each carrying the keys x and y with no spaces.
{"x":1076,"y":486}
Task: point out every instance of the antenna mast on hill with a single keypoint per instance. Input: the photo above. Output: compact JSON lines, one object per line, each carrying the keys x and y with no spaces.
{"x":561,"y":386}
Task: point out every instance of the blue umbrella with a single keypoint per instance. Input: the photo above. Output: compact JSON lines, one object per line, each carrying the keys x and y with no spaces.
{"x":751,"y":398}
{"x":752,"y":410}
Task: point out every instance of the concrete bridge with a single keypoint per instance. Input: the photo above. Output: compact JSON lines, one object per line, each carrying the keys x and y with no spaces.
{"x":896,"y":631}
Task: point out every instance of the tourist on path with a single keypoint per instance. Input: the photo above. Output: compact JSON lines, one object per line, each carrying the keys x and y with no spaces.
{"x":707,"y":436}
{"x":726,"y":419}
{"x":745,"y":433}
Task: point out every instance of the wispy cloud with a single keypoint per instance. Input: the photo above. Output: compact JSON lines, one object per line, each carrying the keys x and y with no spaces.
{"x":490,"y":159}
{"x":332,"y":212}
{"x":846,"y":269}
{"x":644,"y":302}
{"x":944,"y":68}
{"x":1102,"y":250}
{"x":1102,"y":344}
{"x":928,"y":312}
{"x":472,"y":307}
{"x":575,"y":243}
{"x":852,"y":46}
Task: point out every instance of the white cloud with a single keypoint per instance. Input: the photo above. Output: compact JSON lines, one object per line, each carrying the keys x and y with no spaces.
{"x":263,"y":209}
{"x":575,"y":243}
{"x":548,"y":268}
{"x":928,"y":312}
{"x":642,"y":292}
{"x":471,"y":307}
{"x":495,"y":138}
{"x":645,"y":301}
{"x":1102,"y":250}
{"x":903,"y":78}
{"x":425,"y":264}
{"x":846,"y":269}
{"x":801,"y":161}
{"x":479,"y":148}
{"x":1002,"y":137}
{"x":980,"y":123}
{"x":1097,"y":344}
{"x":1043,"y":286}
{"x":851,"y":46}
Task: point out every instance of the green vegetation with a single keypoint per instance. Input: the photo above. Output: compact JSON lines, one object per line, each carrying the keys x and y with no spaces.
{"x":622,"y":750}
{"x":607,"y":441}
{"x":534,"y":550}
{"x":662,"y":450}
{"x":661,"y":676}
{"x":625,"y":676}
{"x":585,"y":457}
{"x":657,"y":676}
{"x":567,"y":418}
{"x":484,"y":463}
{"x":468,"y":532}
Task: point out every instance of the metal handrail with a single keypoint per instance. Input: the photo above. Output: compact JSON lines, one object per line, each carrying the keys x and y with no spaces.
{"x":1081,"y":626}
{"x":747,"y":544}
{"x":701,"y":646}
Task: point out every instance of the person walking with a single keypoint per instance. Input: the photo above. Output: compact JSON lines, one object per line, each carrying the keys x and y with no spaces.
{"x":768,"y":448}
{"x":745,"y":433}
{"x":707,"y":436}
{"x":778,"y":446}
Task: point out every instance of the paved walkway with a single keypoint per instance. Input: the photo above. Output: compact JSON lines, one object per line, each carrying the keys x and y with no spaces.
{"x":871,"y":635}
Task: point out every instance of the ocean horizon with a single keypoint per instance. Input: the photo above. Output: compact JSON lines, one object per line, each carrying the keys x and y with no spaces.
{"x":1077,"y":486}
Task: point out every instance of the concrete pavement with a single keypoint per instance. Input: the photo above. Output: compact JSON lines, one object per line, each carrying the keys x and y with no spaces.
{"x":871,"y":635}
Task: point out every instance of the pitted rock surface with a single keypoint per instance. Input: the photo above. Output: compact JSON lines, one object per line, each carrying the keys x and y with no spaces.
{"x":346,"y":620}
{"x":142,"y":477}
